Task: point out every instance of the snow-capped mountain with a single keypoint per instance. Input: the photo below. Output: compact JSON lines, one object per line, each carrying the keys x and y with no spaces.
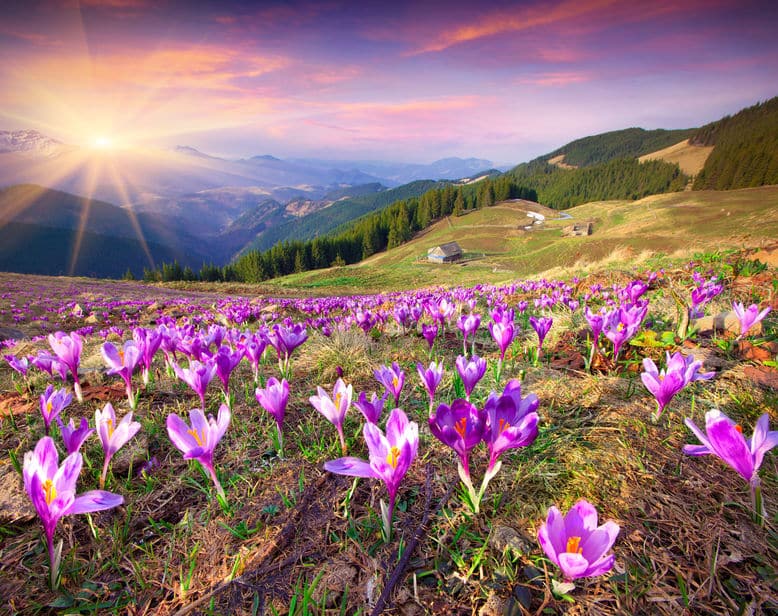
{"x":30,"y":141}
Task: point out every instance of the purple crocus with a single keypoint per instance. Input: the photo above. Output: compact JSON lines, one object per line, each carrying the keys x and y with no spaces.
{"x":198,"y":441}
{"x":623,"y":324}
{"x":334,"y":409}
{"x":52,"y":403}
{"x":52,"y":490}
{"x":468,"y":324}
{"x":253,"y":349}
{"x":461,"y":427}
{"x":724,"y":438}
{"x":748,"y":317}
{"x":19,"y":364}
{"x":273,"y":399}
{"x":392,"y":379}
{"x":113,"y":436}
{"x":575,"y":543}
{"x":226,"y":361}
{"x":74,"y":437}
{"x":541,"y":325}
{"x":123,"y":362}
{"x":197,"y":375}
{"x":391,"y":455}
{"x":285,"y":340}
{"x":503,"y":333}
{"x":67,"y":348}
{"x":372,"y":408}
{"x":148,"y":342}
{"x":511,"y":422}
{"x":49,"y":364}
{"x":430,"y":379}
{"x":429,"y":332}
{"x":680,"y":370}
{"x":470,"y":371}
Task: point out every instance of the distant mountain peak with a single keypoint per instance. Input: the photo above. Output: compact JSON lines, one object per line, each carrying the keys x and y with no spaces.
{"x":31,"y":141}
{"x":190,"y":151}
{"x":265,"y":157}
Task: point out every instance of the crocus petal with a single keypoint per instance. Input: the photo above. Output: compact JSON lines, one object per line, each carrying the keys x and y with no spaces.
{"x":573,"y":565}
{"x":178,"y":431}
{"x":696,"y":450}
{"x":354,"y":467}
{"x":699,"y":434}
{"x":581,"y":519}
{"x":600,"y":541}
{"x":731,"y":447}
{"x":601,"y":566}
{"x":94,"y":500}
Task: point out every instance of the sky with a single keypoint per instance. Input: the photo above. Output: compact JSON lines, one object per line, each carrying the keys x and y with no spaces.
{"x":402,"y":81}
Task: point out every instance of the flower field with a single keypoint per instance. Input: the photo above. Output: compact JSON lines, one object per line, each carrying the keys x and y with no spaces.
{"x":583,"y":446}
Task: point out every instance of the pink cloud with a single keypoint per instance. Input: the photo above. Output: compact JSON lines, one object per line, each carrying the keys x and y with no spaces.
{"x":555,"y":79}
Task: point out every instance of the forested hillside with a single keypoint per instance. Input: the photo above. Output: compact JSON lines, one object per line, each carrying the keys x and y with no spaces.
{"x":746,"y":149}
{"x":626,"y":143}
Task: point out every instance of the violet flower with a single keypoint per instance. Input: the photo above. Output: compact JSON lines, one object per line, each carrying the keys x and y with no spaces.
{"x":748,"y":317}
{"x":623,"y":324}
{"x":680,"y":370}
{"x":724,"y":439}
{"x":19,"y":364}
{"x":285,"y":340}
{"x":334,"y":410}
{"x":122,"y":362}
{"x":52,"y":490}
{"x":468,"y":324}
{"x":391,"y":456}
{"x":73,"y":437}
{"x":67,"y":348}
{"x":430,"y":379}
{"x":541,"y":325}
{"x":253,"y":349}
{"x":429,"y":332}
{"x":197,"y":375}
{"x":371,"y":409}
{"x":392,"y":379}
{"x":575,"y":543}
{"x":461,"y":427}
{"x":112,"y":436}
{"x":226,"y":361}
{"x":198,"y":441}
{"x":51,"y":403}
{"x":273,"y":399}
{"x":148,"y":342}
{"x":49,"y":364}
{"x":470,"y":372}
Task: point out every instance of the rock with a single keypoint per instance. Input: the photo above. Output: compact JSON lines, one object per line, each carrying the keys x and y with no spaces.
{"x":92,"y":320}
{"x":15,"y":505}
{"x":495,"y":605}
{"x":134,"y":453}
{"x":9,"y":333}
{"x":760,"y":353}
{"x":337,"y":576}
{"x":724,"y":321}
{"x":764,"y":377}
{"x":506,"y":538}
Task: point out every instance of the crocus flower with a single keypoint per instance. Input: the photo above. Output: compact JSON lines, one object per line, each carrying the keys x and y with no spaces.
{"x":74,"y":437}
{"x":122,"y":362}
{"x":623,"y":324}
{"x":226,"y":361}
{"x":748,"y":317}
{"x":49,"y":364}
{"x":430,"y":378}
{"x":273,"y":399}
{"x":461,"y":427}
{"x":511,"y":422}
{"x":679,"y":372}
{"x":372,"y":408}
{"x":503,"y":333}
{"x":52,"y":403}
{"x":724,"y":438}
{"x":67,"y":348}
{"x":198,"y":441}
{"x":19,"y":364}
{"x":113,"y":436}
{"x":429,"y":332}
{"x":392,"y":379}
{"x":197,"y":375}
{"x":148,"y":342}
{"x":52,"y":490}
{"x":285,"y":340}
{"x":391,"y":456}
{"x":470,"y":371}
{"x":575,"y":543}
{"x":253,"y":349}
{"x":541,"y":325}
{"x":334,"y":409}
{"x":468,"y":324}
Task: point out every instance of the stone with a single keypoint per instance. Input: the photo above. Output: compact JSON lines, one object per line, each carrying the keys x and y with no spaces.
{"x":15,"y":505}
{"x":337,"y":577}
{"x":495,"y":605}
{"x":723,"y":322}
{"x":506,"y":538}
{"x":10,"y":333}
{"x":764,"y":377}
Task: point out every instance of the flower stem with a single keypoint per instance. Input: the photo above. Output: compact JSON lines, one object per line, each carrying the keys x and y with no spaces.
{"x":758,"y":504}
{"x":105,"y":471}
{"x":219,"y":489}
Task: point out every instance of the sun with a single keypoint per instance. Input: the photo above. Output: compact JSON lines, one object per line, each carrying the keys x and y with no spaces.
{"x":102,"y":142}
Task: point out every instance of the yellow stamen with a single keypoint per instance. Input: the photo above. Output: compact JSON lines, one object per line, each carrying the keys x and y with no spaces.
{"x":121,"y":356}
{"x":504,"y":425}
{"x":573,"y":544}
{"x":739,"y":428}
{"x":337,"y":399}
{"x":109,"y":421}
{"x":395,"y":382}
{"x":49,"y":491}
{"x":196,"y":435}
{"x":393,"y":457}
{"x":461,"y":427}
{"x":49,"y":407}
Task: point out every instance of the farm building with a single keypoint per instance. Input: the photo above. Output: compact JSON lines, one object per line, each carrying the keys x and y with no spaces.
{"x":445,"y":253}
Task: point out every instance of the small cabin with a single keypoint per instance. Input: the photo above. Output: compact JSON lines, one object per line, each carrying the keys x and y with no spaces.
{"x":445,"y":253}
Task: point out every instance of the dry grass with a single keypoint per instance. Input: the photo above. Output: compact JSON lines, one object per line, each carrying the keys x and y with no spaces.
{"x":690,"y":158}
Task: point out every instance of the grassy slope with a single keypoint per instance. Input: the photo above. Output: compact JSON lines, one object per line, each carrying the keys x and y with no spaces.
{"x":690,"y":158}
{"x":674,"y":223}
